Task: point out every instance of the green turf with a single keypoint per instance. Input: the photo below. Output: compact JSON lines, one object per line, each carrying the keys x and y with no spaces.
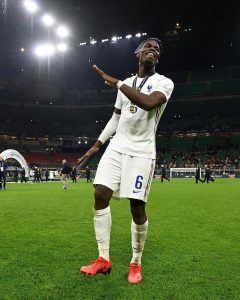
{"x":192,"y":250}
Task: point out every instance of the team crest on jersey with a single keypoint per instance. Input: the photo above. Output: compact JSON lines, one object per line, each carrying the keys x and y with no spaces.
{"x":149,"y":88}
{"x":133,"y":109}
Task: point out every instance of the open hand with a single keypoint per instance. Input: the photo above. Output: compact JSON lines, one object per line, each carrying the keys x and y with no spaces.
{"x":89,"y":153}
{"x":111,"y":81}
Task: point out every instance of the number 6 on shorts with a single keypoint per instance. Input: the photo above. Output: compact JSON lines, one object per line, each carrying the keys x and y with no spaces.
{"x":138,"y":183}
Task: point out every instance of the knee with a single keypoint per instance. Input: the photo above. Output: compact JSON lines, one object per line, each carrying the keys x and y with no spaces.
{"x":138,"y":213}
{"x":99,"y":195}
{"x":102,"y":196}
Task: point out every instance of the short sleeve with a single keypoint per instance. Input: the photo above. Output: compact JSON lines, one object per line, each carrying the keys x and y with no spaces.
{"x":118,"y":103}
{"x":165,"y":86}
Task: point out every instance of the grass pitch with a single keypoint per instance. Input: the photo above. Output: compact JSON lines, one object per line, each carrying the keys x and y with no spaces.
{"x":192,"y":249}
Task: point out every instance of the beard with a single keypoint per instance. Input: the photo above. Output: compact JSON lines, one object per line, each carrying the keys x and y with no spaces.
{"x":149,"y":64}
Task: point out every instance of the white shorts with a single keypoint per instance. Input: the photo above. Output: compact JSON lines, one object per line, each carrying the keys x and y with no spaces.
{"x":127,"y":176}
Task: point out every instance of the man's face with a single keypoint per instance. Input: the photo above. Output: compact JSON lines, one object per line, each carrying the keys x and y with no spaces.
{"x":64,"y":161}
{"x":150,"y":53}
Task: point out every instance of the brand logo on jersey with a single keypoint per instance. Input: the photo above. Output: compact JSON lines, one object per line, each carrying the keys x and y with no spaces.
{"x":149,"y":88}
{"x":136,"y":192}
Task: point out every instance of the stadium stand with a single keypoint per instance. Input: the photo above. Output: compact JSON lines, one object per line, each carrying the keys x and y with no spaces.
{"x":14,"y":144}
{"x":203,"y":142}
{"x":175,"y":151}
{"x":227,"y":87}
{"x":192,"y":129}
{"x":212,"y":74}
{"x":179,"y":77}
{"x":32,"y":146}
{"x":235,"y":72}
{"x":191,"y":89}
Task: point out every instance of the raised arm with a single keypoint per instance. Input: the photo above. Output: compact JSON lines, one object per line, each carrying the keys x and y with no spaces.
{"x":146,"y":102}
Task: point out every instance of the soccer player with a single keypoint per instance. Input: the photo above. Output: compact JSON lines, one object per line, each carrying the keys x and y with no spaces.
{"x":127,"y":166}
{"x":163,"y":175}
{"x":3,"y":168}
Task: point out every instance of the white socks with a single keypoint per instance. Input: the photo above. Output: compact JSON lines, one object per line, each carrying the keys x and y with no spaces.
{"x":139,"y":234}
{"x":102,"y":225}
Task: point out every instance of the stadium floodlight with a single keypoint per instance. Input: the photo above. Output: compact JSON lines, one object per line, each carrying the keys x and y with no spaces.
{"x":93,"y":42}
{"x":177,"y":25}
{"x":62,"y":31}
{"x":48,"y":20}
{"x":144,"y":33}
{"x":45,"y":50}
{"x":22,"y":49}
{"x":83,"y":44}
{"x":114,"y":39}
{"x":138,"y":35}
{"x":128,"y":36}
{"x":62,"y":47}
{"x":119,"y":37}
{"x":31,"y":6}
{"x":104,"y":40}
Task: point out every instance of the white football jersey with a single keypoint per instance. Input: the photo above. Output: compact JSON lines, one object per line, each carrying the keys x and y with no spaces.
{"x":135,"y":134}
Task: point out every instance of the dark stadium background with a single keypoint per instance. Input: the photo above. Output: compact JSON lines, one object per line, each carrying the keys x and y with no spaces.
{"x":51,"y":109}
{"x":48,"y":112}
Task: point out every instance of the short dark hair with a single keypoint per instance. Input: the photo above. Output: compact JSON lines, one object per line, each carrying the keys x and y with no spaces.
{"x":160,"y":44}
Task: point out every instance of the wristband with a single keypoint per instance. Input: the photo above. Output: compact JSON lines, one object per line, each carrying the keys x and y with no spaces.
{"x":119,"y":84}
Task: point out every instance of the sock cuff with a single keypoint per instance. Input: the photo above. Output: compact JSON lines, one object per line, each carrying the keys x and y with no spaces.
{"x":140,"y":227}
{"x":102,"y":212}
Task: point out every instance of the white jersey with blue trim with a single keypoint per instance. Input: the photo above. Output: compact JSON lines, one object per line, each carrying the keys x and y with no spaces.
{"x":135,"y":134}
